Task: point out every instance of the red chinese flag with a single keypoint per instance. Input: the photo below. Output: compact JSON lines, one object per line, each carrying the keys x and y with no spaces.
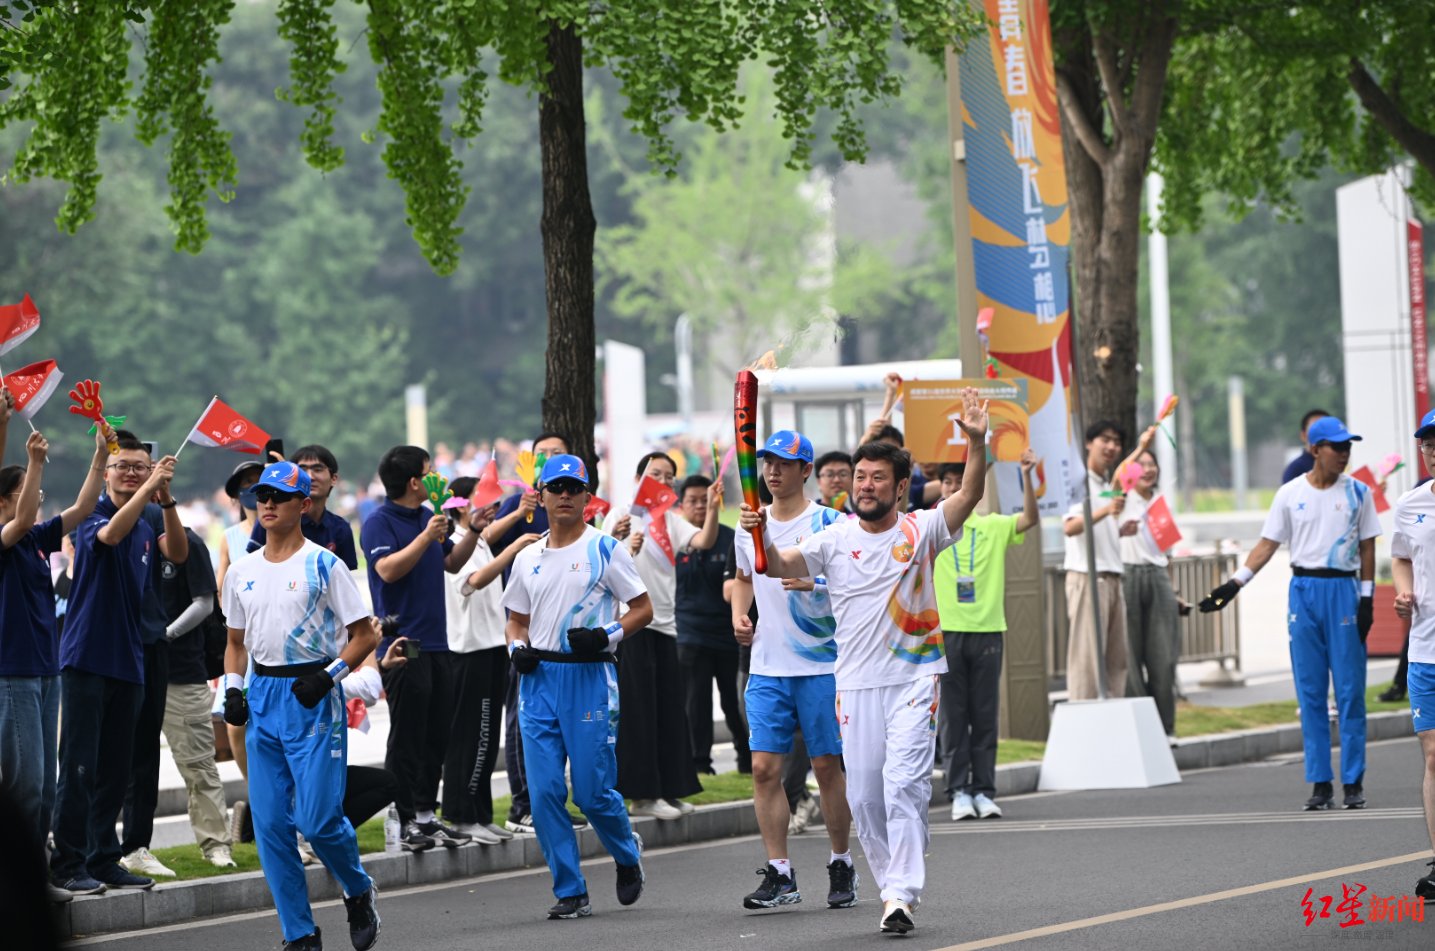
{"x":223,"y":428}
{"x":488,"y":490}
{"x":17,"y":323}
{"x":1161,"y":525}
{"x":1363,"y":474}
{"x":653,"y":499}
{"x":595,"y":508}
{"x":33,"y":385}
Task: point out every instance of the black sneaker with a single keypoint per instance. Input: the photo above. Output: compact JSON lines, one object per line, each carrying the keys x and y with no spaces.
{"x":776,"y":889}
{"x":117,"y":876}
{"x":631,"y":877}
{"x":1322,"y":797}
{"x":1425,"y":888}
{"x":574,"y":907}
{"x":578,"y":822}
{"x":1393,"y":695}
{"x":841,"y":885}
{"x":310,"y":942}
{"x":413,"y":840}
{"x":522,"y":824}
{"x":81,"y":884}
{"x":1355,"y":796}
{"x":363,"y":919}
{"x":443,"y":834}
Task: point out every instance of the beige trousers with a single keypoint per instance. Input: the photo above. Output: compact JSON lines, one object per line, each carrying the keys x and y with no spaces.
{"x":1081,"y":653}
{"x":190,"y":735}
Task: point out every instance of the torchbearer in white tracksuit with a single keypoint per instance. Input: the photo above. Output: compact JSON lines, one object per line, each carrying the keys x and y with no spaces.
{"x":890,"y":649}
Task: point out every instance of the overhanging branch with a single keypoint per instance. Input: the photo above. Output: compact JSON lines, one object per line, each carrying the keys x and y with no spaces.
{"x":1420,"y":143}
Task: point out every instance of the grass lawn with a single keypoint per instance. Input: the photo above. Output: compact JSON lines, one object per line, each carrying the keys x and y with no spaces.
{"x":1198,"y":721}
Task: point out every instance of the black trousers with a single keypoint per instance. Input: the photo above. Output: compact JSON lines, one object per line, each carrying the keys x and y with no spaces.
{"x":969,"y":707}
{"x":795,"y":766}
{"x":480,"y":680}
{"x":367,"y":789}
{"x":1402,"y":671}
{"x":701,"y":666}
{"x":420,"y":713}
{"x":142,"y":797}
{"x":655,"y":759}
{"x":513,"y":749}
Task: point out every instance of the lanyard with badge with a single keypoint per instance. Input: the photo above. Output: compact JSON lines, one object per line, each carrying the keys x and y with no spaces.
{"x":967,"y":584}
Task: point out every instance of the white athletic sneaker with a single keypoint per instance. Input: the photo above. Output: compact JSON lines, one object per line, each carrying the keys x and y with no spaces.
{"x":963,"y":807}
{"x":656,"y":808}
{"x":306,"y":851}
{"x":797,"y":823}
{"x":686,"y":808}
{"x":479,"y":833}
{"x":896,"y":917}
{"x":499,"y":831}
{"x":142,"y":862}
{"x":986,"y":809}
{"x":221,"y":857}
{"x":810,"y":808}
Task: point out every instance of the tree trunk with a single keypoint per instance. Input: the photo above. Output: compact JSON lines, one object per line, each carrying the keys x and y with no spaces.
{"x":569,"y":405}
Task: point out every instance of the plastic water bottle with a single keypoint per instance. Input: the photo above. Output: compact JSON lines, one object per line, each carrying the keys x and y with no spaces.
{"x":391,"y":830}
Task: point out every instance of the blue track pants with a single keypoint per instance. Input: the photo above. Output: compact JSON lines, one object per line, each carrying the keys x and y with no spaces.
{"x":1325,"y":645}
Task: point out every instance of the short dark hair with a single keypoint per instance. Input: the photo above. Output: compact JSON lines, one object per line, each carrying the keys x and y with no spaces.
{"x":898,"y":458}
{"x":549,"y":434}
{"x":129,"y":442}
{"x":1105,"y":426}
{"x":399,"y":465}
{"x":958,"y":469}
{"x":698,"y":481}
{"x":10,"y":478}
{"x":886,"y":432}
{"x":643,"y":462}
{"x":836,"y":455}
{"x":463,"y":486}
{"x":1310,"y":416}
{"x":319,"y":454}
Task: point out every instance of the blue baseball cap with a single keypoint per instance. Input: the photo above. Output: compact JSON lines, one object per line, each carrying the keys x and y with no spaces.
{"x":788,"y":444}
{"x":286,"y":477}
{"x":563,"y":466}
{"x":1427,"y":425}
{"x":1329,"y":429}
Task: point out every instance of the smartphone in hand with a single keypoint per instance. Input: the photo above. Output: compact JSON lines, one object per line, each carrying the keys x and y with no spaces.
{"x":411,"y":648}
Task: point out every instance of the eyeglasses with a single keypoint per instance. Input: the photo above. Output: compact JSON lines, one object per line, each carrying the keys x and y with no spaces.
{"x":566,"y":487}
{"x":833,"y":474}
{"x":42,"y":494}
{"x":1427,"y":446}
{"x":265,"y":494}
{"x":130,"y":468}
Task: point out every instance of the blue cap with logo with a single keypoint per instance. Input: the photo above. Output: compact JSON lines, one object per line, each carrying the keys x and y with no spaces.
{"x":1427,"y":425}
{"x":788,"y":444}
{"x":1329,"y":429}
{"x":286,"y":477}
{"x":563,"y":466}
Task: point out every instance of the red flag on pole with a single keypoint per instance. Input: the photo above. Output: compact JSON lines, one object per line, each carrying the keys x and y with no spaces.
{"x":488,"y":489}
{"x":33,"y":385}
{"x":221,"y":427}
{"x":1363,"y":474}
{"x":596,"y":508}
{"x":17,"y":323}
{"x":652,"y":500}
{"x":1161,"y":524}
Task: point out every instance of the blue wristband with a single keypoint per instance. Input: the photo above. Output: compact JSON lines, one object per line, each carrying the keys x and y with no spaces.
{"x":338,"y":670}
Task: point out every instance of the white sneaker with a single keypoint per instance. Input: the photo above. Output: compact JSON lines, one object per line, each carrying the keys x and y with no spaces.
{"x":306,"y":852}
{"x":142,"y":862}
{"x":811,"y":808}
{"x":986,"y":809}
{"x":896,"y":917}
{"x":797,"y":824}
{"x":656,"y":808}
{"x":963,"y":807}
{"x":221,"y":857}
{"x":479,"y":833}
{"x":686,"y":808}
{"x":498,"y":830}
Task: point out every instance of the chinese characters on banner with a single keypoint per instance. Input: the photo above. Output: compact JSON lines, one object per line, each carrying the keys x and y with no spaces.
{"x":1415,"y":254}
{"x":1021,"y":229}
{"x":929,"y":417}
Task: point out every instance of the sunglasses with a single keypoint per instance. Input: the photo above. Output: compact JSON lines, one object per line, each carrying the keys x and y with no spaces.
{"x":265,"y":494}
{"x":1338,"y":446}
{"x":565,"y":487}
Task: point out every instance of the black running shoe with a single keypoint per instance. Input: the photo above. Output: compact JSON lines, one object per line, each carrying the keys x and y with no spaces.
{"x":1322,"y":797}
{"x":578,"y":822}
{"x":1355,"y":796}
{"x":521,"y":824}
{"x":310,"y":942}
{"x":363,"y":919}
{"x":1425,"y":888}
{"x":631,"y":877}
{"x":444,"y":834}
{"x":117,"y":876}
{"x":1393,"y":695}
{"x":841,"y":885}
{"x":574,"y":907}
{"x":413,"y":840}
{"x":776,"y":889}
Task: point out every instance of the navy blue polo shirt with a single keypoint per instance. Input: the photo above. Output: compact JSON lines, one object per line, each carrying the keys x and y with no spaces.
{"x":102,"y":626}
{"x":416,"y":599}
{"x":152,"y":617}
{"x":27,"y":603}
{"x":331,"y":532}
{"x":1298,"y":467}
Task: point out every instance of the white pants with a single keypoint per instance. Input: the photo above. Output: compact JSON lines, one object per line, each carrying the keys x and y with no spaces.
{"x":888,"y":740}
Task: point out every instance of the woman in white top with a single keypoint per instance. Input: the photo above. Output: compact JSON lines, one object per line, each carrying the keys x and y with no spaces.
{"x":1153,"y":639}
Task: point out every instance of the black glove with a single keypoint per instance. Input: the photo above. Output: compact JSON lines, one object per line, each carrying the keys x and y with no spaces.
{"x":236,"y":708}
{"x":1365,"y":617}
{"x":587,"y":640}
{"x":525,"y":659}
{"x":311,"y":688}
{"x":1222,"y":595}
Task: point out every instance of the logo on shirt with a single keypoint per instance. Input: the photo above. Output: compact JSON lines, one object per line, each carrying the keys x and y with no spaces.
{"x":1420,"y":518}
{"x":293,"y":586}
{"x":577,"y":566}
{"x":1300,"y":506}
{"x":537,"y":568}
{"x":902,"y":551}
{"x":166,"y":569}
{"x":857,"y":555}
{"x":248,"y":586}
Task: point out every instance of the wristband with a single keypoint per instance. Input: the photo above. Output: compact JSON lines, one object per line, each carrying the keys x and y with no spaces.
{"x":1243,"y":576}
{"x":1367,"y":589}
{"x":168,"y":505}
{"x":514,"y":645}
{"x":820,"y":580}
{"x":614,"y":630}
{"x":235,"y":681}
{"x":338,"y":670}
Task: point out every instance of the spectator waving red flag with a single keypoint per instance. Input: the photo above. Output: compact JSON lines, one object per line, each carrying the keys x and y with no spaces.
{"x":33,"y":385}
{"x":17,"y":323}
{"x":221,"y":427}
{"x":653,"y":499}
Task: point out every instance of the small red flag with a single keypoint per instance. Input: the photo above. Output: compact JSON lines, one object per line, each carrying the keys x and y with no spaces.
{"x":1161,"y":524}
{"x":488,"y":490}
{"x":1363,"y":474}
{"x":596,"y":507}
{"x":17,"y":323}
{"x":221,"y":427}
{"x":33,"y":385}
{"x":653,"y":499}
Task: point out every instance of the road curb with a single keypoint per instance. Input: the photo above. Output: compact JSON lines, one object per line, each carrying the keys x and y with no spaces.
{"x":246,"y":891}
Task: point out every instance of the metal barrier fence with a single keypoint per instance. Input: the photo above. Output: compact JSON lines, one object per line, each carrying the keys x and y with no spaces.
{"x":1215,"y":636}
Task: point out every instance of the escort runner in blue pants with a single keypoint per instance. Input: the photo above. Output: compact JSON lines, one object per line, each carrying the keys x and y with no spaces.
{"x":1326,"y":646}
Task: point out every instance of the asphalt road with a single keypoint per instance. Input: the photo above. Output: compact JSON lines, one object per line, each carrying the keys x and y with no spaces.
{"x":1220,"y":861}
